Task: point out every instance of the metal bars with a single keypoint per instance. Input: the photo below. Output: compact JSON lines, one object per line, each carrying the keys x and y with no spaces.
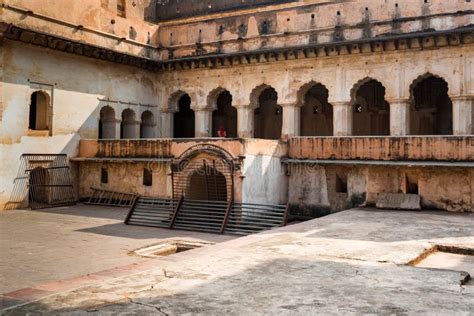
{"x":204,"y":180}
{"x":207,"y":216}
{"x":110,"y":198}
{"x":44,"y":180}
{"x":153,"y":211}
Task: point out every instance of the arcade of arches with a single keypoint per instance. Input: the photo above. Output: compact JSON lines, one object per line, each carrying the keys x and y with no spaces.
{"x":428,"y":111}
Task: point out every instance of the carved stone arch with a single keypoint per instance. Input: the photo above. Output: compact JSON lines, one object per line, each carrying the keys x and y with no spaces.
{"x":174,"y":99}
{"x":371,"y":111}
{"x":303,"y":90}
{"x":203,"y":158}
{"x":40,"y":111}
{"x":316,"y":113}
{"x":147,"y":124}
{"x":255,"y":94}
{"x":197,"y":149}
{"x":418,"y":80}
{"x":212,"y":97}
{"x":107,"y":123}
{"x":355,"y":88}
{"x":431,"y":108}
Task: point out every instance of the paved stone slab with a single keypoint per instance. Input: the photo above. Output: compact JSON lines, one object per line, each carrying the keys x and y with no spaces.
{"x":352,"y":262}
{"x":48,"y":245}
{"x":398,"y":201}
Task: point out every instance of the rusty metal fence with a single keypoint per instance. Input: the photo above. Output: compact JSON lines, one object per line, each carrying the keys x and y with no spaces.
{"x":44,"y":180}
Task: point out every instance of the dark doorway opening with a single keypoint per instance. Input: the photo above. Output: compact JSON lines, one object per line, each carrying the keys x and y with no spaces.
{"x":316,"y":117}
{"x":107,"y":123}
{"x":225,"y":116}
{"x":127,"y":127}
{"x":39,"y":112}
{"x":206,"y":183}
{"x":371,"y":111}
{"x":268,"y":117}
{"x":184,"y":119}
{"x":431,"y":111}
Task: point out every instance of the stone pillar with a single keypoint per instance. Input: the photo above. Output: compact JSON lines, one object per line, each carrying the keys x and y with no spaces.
{"x":342,"y":113}
{"x":202,"y":123}
{"x":462,"y":115}
{"x":245,"y":121}
{"x":291,"y":121}
{"x":399,"y":117}
{"x":117,"y":129}
{"x":166,"y":125}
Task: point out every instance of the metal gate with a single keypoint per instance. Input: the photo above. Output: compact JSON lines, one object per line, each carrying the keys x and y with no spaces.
{"x":45,"y":179}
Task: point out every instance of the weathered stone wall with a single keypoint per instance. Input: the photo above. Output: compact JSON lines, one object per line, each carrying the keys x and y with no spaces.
{"x":89,"y":21}
{"x":124,"y":177}
{"x":309,"y":22}
{"x":75,"y":87}
{"x":313,"y":190}
{"x":397,"y":71}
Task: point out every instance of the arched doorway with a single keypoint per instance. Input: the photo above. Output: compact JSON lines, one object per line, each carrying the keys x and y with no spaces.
{"x":316,"y":117}
{"x":225,"y":116}
{"x":128,"y":125}
{"x":147,"y":125}
{"x":39,"y":118}
{"x":371,"y":111}
{"x":206,"y":183}
{"x":431,"y":111}
{"x":268,"y":116}
{"x":184,"y":118}
{"x":107,"y":123}
{"x":38,"y":190}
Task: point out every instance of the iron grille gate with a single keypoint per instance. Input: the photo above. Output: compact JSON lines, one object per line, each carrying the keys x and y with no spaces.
{"x":45,"y":179}
{"x":203,"y":180}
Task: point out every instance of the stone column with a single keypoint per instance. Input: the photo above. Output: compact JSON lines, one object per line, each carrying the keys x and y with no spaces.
{"x":245,"y":121}
{"x":462,"y":115}
{"x":117,"y":124}
{"x":166,"y":125}
{"x":399,"y":117}
{"x":291,"y":121}
{"x":342,"y":115}
{"x":202,"y":123}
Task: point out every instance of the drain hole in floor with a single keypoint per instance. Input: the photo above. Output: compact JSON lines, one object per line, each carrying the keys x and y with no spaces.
{"x":170,"y":247}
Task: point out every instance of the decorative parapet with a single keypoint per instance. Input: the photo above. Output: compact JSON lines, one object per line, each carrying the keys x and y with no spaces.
{"x":409,"y":148}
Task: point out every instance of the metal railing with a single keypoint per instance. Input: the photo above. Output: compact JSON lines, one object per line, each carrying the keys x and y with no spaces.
{"x":225,"y":217}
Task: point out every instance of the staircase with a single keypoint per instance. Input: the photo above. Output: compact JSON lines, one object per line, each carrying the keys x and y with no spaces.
{"x":206,"y":216}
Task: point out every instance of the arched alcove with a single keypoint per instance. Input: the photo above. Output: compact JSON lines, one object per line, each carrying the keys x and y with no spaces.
{"x":128,"y":125}
{"x":225,"y":115}
{"x":316,"y":116}
{"x":371,"y":111}
{"x":39,"y":118}
{"x":184,"y":118}
{"x":147,"y":125}
{"x":107,"y":123}
{"x":431,"y":110}
{"x":268,"y":116}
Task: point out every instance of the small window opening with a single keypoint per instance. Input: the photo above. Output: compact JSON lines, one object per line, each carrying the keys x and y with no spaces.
{"x":147,"y":177}
{"x":104,"y":175}
{"x":341,"y":184}
{"x":411,"y":185}
{"x":121,"y":8}
{"x":39,"y":112}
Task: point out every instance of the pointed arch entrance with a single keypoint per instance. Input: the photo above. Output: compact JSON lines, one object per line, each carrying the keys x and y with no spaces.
{"x":431,"y":110}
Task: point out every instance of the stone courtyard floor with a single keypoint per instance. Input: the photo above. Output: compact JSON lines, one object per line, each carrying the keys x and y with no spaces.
{"x":352,"y":262}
